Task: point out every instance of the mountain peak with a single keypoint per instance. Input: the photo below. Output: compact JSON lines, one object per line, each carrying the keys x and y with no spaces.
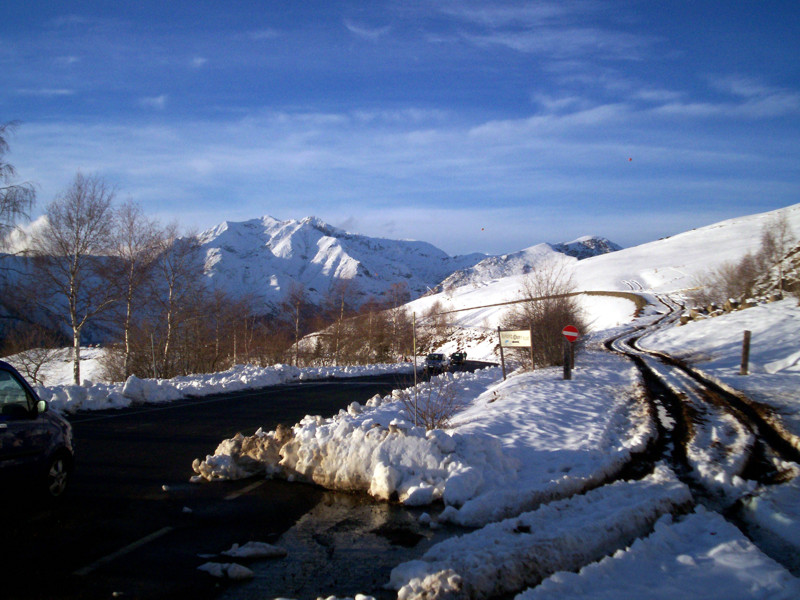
{"x":263,"y":257}
{"x":586,"y":247}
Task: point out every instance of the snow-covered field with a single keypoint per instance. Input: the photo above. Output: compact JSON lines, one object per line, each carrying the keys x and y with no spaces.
{"x":533,"y":462}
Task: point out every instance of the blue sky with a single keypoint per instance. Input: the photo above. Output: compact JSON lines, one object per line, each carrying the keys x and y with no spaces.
{"x":476,"y":126}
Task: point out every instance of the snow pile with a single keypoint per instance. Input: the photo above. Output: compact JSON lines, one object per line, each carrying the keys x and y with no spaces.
{"x":512,"y":554}
{"x":101,"y":396}
{"x":233,"y":571}
{"x":702,"y":556}
{"x":518,"y":443}
{"x":776,"y":509}
{"x":255,"y":550}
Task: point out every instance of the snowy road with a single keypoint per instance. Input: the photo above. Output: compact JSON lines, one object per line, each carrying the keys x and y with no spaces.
{"x":721,"y":443}
{"x":132,"y":523}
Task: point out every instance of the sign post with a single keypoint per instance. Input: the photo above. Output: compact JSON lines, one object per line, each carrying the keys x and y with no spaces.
{"x":570,"y":334}
{"x":520,"y":338}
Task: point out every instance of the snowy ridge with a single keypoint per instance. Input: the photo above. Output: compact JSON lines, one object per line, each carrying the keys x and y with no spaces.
{"x":587,"y":246}
{"x":264,"y":257}
{"x":524,"y":261}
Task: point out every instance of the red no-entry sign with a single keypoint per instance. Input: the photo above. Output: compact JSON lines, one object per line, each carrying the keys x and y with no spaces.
{"x":570,"y":332}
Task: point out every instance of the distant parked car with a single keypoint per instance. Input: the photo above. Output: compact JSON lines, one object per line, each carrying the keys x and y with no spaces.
{"x":436,"y":363}
{"x":458,"y":358}
{"x":35,"y":442}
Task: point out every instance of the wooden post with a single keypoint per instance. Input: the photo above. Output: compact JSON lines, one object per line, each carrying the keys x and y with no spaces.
{"x":743,"y":370}
{"x":567,"y":362}
{"x":502,"y":357}
{"x":531,"y":330}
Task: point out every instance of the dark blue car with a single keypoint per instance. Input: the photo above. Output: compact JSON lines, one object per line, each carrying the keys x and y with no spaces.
{"x":35,"y":443}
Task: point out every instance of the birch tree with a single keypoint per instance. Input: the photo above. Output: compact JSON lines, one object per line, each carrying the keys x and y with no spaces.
{"x":177,"y":288}
{"x":137,"y":244}
{"x":71,"y":255}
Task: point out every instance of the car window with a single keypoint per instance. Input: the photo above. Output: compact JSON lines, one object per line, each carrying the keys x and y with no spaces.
{"x":14,"y":398}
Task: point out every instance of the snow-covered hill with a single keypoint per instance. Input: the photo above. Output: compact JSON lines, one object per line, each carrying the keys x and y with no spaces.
{"x":669,"y":265}
{"x":522,"y":262}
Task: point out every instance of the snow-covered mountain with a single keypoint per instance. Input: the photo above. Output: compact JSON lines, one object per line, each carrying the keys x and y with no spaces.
{"x":265,"y":257}
{"x":522,"y":262}
{"x":587,"y":247}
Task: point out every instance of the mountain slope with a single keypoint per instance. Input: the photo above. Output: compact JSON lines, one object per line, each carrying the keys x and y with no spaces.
{"x":522,"y":262}
{"x":265,"y":257}
{"x":671,"y":265}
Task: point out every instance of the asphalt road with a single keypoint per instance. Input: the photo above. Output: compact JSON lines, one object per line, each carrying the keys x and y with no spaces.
{"x":132,"y":526}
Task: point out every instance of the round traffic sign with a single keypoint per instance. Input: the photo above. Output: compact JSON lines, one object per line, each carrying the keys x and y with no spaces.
{"x":570,"y":332}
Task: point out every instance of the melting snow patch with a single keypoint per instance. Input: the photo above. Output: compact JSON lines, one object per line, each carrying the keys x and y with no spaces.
{"x":702,"y":556}
{"x":510,"y":555}
{"x":230,"y":570}
{"x":255,"y":550}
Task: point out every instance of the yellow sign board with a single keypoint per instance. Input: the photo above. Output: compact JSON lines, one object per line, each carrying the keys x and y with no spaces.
{"x":515,"y":339}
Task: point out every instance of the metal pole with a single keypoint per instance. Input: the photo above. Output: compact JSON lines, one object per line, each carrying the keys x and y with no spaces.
{"x":572,"y":355}
{"x":414,"y":353}
{"x":567,"y":365}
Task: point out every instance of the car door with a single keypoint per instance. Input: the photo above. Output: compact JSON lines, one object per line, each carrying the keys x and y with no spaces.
{"x":24,"y":436}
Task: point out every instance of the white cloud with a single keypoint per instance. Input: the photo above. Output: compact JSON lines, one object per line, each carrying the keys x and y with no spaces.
{"x":46,"y":92}
{"x":155,"y":102}
{"x":198,"y":62}
{"x":263,"y":34}
{"x":67,"y":60}
{"x":571,"y":42}
{"x":363,"y":31}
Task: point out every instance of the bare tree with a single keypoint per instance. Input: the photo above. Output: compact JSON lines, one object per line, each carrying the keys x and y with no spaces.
{"x":33,"y":348}
{"x":340,"y":304}
{"x":71,"y":254}
{"x":731,"y":279}
{"x":137,"y":244}
{"x":177,"y":288}
{"x":295,"y":305}
{"x":761,"y":271}
{"x":16,"y":199}
{"x":550,"y":307}
{"x":433,"y":403}
{"x":777,"y":239}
